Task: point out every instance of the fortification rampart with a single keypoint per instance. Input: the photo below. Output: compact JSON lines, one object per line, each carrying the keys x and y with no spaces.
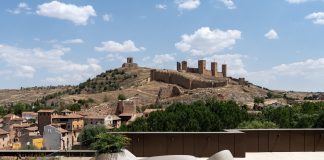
{"x":173,"y":77}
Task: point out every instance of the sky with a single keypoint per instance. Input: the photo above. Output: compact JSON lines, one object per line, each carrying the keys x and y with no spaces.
{"x":277,"y":44}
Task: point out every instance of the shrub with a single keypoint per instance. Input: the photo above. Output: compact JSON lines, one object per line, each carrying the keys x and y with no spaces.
{"x":257,"y":124}
{"x":89,"y":132}
{"x":110,"y":143}
{"x":121,"y":97}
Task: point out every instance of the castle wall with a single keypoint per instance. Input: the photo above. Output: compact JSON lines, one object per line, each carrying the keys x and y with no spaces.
{"x":180,"y":80}
{"x":201,"y":84}
{"x":187,"y":83}
{"x":193,"y":70}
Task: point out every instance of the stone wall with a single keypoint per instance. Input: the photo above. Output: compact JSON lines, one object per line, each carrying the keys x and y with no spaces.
{"x":185,"y":82}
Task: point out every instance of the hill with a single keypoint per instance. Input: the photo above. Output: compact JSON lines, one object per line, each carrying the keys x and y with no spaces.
{"x":135,"y":82}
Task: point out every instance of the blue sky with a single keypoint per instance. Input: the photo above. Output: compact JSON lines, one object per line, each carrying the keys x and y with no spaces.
{"x":277,"y":44}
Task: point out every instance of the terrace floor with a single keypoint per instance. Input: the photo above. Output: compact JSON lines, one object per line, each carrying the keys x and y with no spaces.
{"x":284,"y":156}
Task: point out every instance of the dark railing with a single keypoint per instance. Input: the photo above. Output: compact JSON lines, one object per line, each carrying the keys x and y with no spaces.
{"x":205,"y":144}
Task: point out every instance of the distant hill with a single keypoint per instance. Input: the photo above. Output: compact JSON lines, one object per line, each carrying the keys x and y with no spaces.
{"x":134,"y":82}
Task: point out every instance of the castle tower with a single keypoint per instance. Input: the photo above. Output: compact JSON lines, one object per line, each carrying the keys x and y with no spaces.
{"x":184,"y":65}
{"x":178,"y":66}
{"x":202,"y":66}
{"x":224,"y":70}
{"x":129,"y":59}
{"x":213,"y":68}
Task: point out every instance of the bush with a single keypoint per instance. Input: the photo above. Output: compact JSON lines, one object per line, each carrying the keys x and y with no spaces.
{"x":257,"y":124}
{"x":258,"y":100}
{"x":110,"y":143}
{"x":320,"y":121}
{"x":121,"y":97}
{"x":89,"y":132}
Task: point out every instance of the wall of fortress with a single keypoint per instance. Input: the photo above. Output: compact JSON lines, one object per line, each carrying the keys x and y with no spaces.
{"x":185,"y":82}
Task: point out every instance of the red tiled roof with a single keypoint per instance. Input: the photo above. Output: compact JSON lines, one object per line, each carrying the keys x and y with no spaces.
{"x":70,"y":116}
{"x":29,"y":113}
{"x":66,"y":111}
{"x":23,"y":125}
{"x":47,"y":110}
{"x":35,"y":128}
{"x":2,"y":132}
{"x":8,"y":115}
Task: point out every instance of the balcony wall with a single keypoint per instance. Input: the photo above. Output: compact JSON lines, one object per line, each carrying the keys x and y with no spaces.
{"x":205,"y":144}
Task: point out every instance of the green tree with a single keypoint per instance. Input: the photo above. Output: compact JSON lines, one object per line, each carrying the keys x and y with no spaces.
{"x":89,"y":132}
{"x":3,"y":111}
{"x":139,"y":124}
{"x":121,"y":97}
{"x":257,"y":124}
{"x":258,"y":100}
{"x":110,"y":143}
{"x":320,"y":121}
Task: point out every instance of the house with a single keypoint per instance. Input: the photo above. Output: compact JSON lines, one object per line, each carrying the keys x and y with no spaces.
{"x":4,"y":139}
{"x":9,"y":122}
{"x":71,"y":122}
{"x":109,"y":120}
{"x":56,"y":138}
{"x":44,"y":118}
{"x":126,"y":109}
{"x":28,"y":136}
{"x":27,"y":116}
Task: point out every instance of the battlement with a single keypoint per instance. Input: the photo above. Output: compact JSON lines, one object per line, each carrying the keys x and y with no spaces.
{"x":213,"y":72}
{"x":187,"y":82}
{"x":129,"y":63}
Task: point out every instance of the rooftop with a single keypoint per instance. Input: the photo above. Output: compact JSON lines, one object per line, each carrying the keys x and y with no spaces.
{"x":3,"y":132}
{"x":47,"y":110}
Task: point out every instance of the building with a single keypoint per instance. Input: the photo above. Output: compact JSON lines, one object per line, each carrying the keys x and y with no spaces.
{"x":30,"y":135}
{"x":56,"y":138}
{"x":112,"y":121}
{"x":126,"y":109}
{"x":44,"y":118}
{"x":71,"y":122}
{"x":28,"y":116}
{"x":4,"y":139}
{"x":183,"y":67}
{"x":129,"y":63}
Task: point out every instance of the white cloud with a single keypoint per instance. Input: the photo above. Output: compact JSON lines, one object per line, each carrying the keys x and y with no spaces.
{"x":107,"y":17}
{"x":305,"y":75}
{"x":206,"y":41}
{"x":163,"y":58}
{"x":21,"y":8}
{"x":316,"y":17}
{"x":25,"y":63}
{"x":73,"y":41}
{"x":161,"y":6}
{"x":272,"y":34}
{"x":187,"y":4}
{"x":297,"y":1}
{"x":25,"y":71}
{"x":229,"y":4}
{"x":79,"y":15}
{"x":112,"y":46}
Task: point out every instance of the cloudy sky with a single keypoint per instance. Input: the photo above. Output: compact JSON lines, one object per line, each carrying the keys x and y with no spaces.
{"x":277,"y":44}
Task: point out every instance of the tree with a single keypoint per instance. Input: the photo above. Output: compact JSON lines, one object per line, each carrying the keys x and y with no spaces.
{"x":258,"y":100}
{"x":110,"y":143}
{"x":75,"y":107}
{"x":139,"y":124}
{"x":320,"y":121}
{"x":89,"y":132}
{"x":257,"y":124}
{"x":121,"y":97}
{"x":3,"y":111}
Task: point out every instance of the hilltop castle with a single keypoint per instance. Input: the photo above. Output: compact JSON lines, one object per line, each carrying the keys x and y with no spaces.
{"x":183,"y":67}
{"x":191,"y":78}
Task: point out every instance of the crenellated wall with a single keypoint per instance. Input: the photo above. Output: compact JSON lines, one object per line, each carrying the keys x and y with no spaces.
{"x":172,"y":77}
